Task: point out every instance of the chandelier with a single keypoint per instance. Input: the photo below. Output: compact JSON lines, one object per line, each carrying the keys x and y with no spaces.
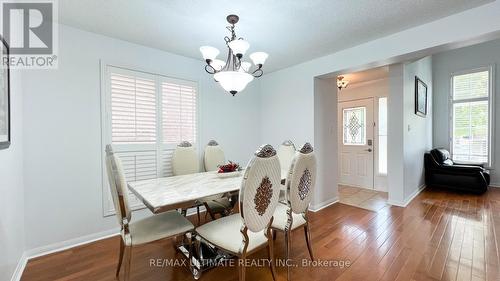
{"x":235,"y":73}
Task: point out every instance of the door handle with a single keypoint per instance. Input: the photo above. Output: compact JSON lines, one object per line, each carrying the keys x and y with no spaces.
{"x":369,"y":150}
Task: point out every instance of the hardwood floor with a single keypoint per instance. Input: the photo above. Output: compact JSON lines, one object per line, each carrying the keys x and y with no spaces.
{"x":440,"y":236}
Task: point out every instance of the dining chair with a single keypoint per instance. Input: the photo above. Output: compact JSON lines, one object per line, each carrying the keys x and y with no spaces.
{"x":185,"y":162}
{"x":300,"y":184}
{"x":185,"y":159}
{"x":285,"y":153}
{"x":244,"y":233}
{"x":214,"y":157}
{"x":150,"y":229}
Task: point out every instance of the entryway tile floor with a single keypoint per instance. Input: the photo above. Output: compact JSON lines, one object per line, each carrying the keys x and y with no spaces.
{"x":362,"y":198}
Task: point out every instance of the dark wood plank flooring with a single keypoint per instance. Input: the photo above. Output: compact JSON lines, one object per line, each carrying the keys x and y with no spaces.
{"x":441,"y":235}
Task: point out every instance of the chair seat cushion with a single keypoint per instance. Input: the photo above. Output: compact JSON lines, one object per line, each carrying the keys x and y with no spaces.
{"x":219,"y":205}
{"x":159,"y":226}
{"x":225,"y":234}
{"x":280,"y":218}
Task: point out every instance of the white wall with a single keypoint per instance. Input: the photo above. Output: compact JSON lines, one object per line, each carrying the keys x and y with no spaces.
{"x":326,"y":142}
{"x":417,"y":130}
{"x":365,"y":90}
{"x":11,"y":187}
{"x":12,"y":229}
{"x":287,"y":95}
{"x":395,"y":131}
{"x":446,"y":63}
{"x":63,"y":131}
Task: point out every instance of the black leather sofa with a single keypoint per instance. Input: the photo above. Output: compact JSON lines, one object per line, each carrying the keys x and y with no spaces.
{"x":440,"y":170}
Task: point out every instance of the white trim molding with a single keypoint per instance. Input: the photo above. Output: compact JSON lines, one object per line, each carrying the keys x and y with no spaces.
{"x":71,"y":243}
{"x":491,"y":110}
{"x":18,"y":273}
{"x":58,"y":247}
{"x":322,"y":205}
{"x":409,"y":199}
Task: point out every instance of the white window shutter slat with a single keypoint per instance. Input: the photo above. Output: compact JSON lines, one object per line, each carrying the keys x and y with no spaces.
{"x":133,"y":109}
{"x":178,"y":112}
{"x":146,"y":115}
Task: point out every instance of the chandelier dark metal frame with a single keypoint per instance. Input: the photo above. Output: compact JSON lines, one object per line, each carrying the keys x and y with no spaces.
{"x":239,"y":72}
{"x":233,"y":62}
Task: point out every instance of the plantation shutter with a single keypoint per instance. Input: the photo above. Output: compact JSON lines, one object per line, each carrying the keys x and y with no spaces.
{"x":133,"y":109}
{"x":178,"y":112}
{"x":145,"y":117}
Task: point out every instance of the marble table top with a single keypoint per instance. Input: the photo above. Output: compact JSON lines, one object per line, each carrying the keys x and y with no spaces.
{"x":163,"y":194}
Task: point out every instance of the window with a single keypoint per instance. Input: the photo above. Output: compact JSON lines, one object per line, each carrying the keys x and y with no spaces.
{"x":382,"y":136}
{"x":471,"y":110}
{"x":354,"y":126}
{"x":145,"y":116}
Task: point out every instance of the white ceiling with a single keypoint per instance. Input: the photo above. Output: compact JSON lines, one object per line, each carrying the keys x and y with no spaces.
{"x":290,"y":31}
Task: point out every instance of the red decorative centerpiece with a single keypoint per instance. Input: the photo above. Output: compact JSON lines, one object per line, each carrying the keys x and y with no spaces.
{"x":229,"y":170}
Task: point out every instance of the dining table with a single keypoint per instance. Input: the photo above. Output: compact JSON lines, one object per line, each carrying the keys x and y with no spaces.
{"x":185,"y":191}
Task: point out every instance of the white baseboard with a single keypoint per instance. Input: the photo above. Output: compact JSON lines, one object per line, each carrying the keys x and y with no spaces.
{"x":318,"y":207}
{"x":71,"y":243}
{"x":410,"y":198}
{"x":495,"y":185}
{"x":23,"y":260}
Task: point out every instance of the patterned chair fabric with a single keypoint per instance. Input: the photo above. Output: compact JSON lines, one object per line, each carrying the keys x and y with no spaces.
{"x":301,"y":179}
{"x":260,"y":189}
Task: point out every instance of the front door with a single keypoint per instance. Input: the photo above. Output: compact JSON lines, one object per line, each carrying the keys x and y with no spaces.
{"x":356,"y":143}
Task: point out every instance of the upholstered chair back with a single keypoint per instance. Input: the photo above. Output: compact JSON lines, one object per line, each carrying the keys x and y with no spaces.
{"x":118,"y":186}
{"x":301,"y":179}
{"x":260,"y":189}
{"x":214,"y":156}
{"x":185,"y":159}
{"x":286,"y":151}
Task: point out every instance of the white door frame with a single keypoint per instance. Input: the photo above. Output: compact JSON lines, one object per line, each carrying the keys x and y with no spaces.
{"x":362,"y":151}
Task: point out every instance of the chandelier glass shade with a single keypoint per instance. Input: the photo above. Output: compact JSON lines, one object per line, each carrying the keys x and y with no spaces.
{"x":234,"y":74}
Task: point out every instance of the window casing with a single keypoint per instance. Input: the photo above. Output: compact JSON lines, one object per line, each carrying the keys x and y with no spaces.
{"x":144,"y":117}
{"x":471,"y":116}
{"x":382,"y":136}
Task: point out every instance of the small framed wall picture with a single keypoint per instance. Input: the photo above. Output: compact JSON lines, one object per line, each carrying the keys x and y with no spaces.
{"x":420,"y":97}
{"x":5,"y":137}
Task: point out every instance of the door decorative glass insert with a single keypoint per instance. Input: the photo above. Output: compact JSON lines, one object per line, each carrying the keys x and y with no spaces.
{"x":354,"y":126}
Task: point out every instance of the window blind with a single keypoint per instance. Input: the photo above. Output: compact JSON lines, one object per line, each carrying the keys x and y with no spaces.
{"x":471,"y":121}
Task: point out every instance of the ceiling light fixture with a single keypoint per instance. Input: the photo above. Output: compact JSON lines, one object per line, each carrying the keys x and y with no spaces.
{"x":234,"y":74}
{"x":341,"y":83}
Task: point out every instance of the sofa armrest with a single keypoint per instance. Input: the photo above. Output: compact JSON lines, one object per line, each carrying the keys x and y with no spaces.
{"x":459,"y":170}
{"x":468,"y":164}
